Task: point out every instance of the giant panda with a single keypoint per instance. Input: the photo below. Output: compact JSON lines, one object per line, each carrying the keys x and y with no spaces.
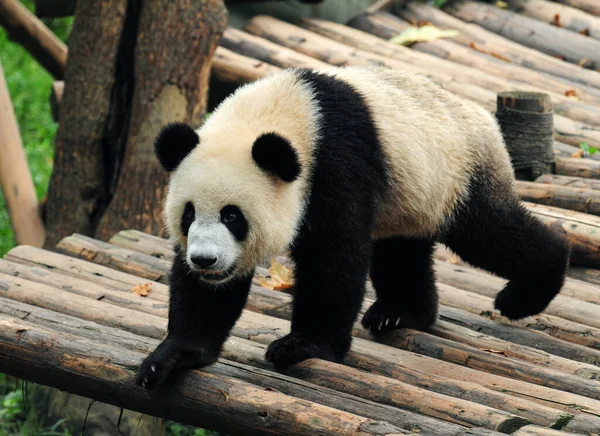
{"x":356,"y":171}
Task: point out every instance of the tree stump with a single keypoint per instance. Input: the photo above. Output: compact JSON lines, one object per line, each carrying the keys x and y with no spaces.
{"x":526,"y":120}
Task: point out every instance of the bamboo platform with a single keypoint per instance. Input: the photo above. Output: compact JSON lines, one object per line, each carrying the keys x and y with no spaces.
{"x":73,"y":318}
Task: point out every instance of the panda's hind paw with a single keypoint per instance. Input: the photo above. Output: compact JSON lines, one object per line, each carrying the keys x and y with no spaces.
{"x":519,"y":300}
{"x":383,"y":317}
{"x":297,"y":347}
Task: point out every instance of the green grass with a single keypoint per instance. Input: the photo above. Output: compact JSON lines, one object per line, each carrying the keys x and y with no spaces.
{"x":29,"y":86}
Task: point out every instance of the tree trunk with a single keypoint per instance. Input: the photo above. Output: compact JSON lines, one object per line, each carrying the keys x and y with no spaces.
{"x":173,"y":54}
{"x":15,"y":177}
{"x":25,"y":28}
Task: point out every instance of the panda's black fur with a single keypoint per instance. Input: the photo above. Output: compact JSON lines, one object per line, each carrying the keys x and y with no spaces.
{"x":333,"y":251}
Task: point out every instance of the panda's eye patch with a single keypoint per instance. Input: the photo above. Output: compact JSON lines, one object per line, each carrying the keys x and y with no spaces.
{"x":235,"y":221}
{"x":188,"y":217}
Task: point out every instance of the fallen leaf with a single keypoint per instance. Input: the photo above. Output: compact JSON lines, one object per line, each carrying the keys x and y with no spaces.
{"x":585,"y":32}
{"x":281,"y":277}
{"x":578,"y":153}
{"x":500,"y":4}
{"x":556,"y":20}
{"x":571,"y":93}
{"x":143,"y":290}
{"x":422,"y":34}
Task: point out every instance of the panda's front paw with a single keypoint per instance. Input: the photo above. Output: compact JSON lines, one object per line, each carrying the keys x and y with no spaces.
{"x":172,"y":354}
{"x":156,"y":368}
{"x":297,"y":347}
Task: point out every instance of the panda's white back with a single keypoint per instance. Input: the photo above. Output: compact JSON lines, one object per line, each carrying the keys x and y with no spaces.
{"x":433,"y":141}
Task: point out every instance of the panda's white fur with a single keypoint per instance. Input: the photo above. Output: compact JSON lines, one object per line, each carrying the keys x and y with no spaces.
{"x":425,"y":132}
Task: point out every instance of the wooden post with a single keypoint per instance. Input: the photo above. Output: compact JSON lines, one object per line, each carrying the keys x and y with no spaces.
{"x":15,"y":177}
{"x":526,"y":120}
{"x":28,"y":30}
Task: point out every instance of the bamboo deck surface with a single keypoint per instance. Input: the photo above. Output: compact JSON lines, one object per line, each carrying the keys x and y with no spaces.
{"x":72,"y":319}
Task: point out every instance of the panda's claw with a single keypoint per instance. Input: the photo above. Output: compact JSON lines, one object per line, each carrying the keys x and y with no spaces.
{"x":153,"y":368}
{"x":397,"y":321}
{"x":387,"y":321}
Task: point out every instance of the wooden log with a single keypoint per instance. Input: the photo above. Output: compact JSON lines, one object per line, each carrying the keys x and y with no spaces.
{"x":250,"y":327}
{"x":587,"y":275}
{"x":566,"y":150}
{"x":170,"y":85}
{"x":386,"y":26}
{"x":355,"y":38}
{"x":29,"y":31}
{"x":525,"y":371}
{"x":327,"y":374}
{"x":526,"y":122}
{"x":534,"y":430}
{"x":581,"y":229}
{"x":590,"y":6}
{"x":552,"y":40}
{"x":54,"y":8}
{"x":559,"y":15}
{"x":577,"y":167}
{"x":230,"y":67}
{"x":335,"y":53}
{"x":478,"y":38}
{"x":56,"y":95}
{"x":137,"y":263}
{"x":15,"y":177}
{"x":569,"y":181}
{"x":105,"y":374}
{"x":263,"y":50}
{"x":577,"y":199}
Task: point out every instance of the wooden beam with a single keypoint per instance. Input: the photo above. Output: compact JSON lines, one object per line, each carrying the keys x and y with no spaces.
{"x":30,"y":32}
{"x":15,"y":177}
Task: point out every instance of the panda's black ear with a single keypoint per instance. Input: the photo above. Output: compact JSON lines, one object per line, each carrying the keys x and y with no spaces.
{"x":174,"y":143}
{"x":274,"y":153}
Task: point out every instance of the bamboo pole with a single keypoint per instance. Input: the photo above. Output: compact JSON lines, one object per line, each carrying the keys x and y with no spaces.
{"x":28,"y":30}
{"x":15,"y":177}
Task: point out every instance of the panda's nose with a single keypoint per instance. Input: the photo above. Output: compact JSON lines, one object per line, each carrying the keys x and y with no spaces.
{"x":204,"y":262}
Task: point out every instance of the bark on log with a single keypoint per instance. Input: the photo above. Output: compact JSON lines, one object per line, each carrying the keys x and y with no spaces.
{"x":386,"y":26}
{"x":563,"y":105}
{"x":30,"y":32}
{"x":78,"y":188}
{"x":533,"y":430}
{"x":251,"y":325}
{"x":577,"y":199}
{"x":590,"y":6}
{"x":105,"y":374}
{"x":569,"y":181}
{"x":170,"y":85}
{"x":54,"y":8}
{"x":335,"y":53}
{"x":475,"y":36}
{"x":230,"y":67}
{"x":526,"y":122}
{"x":56,"y":95}
{"x":420,"y":62}
{"x":147,"y":266}
{"x":581,"y":229}
{"x":526,"y":371}
{"x":576,"y":167}
{"x":15,"y":177}
{"x":554,"y":41}
{"x":559,"y":15}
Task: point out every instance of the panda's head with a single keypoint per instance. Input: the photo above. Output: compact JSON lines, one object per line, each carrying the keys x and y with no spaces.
{"x":230,"y":205}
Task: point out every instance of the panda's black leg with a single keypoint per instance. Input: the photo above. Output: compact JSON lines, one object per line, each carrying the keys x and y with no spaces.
{"x":330,"y":277}
{"x":503,"y":238}
{"x":404,"y":281}
{"x":200,"y":320}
